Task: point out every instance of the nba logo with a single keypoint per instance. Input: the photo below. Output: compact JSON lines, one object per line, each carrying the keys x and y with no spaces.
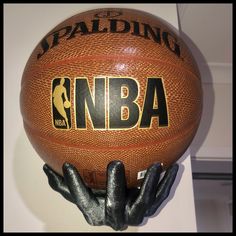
{"x":61,"y":105}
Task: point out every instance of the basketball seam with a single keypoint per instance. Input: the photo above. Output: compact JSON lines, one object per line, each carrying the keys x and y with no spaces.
{"x":109,"y":148}
{"x":110,"y":57}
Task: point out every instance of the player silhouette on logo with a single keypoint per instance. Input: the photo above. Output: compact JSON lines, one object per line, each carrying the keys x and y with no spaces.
{"x":58,"y":92}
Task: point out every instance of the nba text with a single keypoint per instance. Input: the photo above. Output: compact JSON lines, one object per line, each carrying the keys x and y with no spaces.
{"x":114,"y":103}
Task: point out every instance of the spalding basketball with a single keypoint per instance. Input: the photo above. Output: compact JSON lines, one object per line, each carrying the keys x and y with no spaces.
{"x":111,"y":84}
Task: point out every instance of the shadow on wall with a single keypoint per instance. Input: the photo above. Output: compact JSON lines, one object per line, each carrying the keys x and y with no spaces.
{"x":208,"y":95}
{"x":208,"y":91}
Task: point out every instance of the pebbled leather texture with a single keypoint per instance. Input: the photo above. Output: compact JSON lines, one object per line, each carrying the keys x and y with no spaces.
{"x":106,"y":55}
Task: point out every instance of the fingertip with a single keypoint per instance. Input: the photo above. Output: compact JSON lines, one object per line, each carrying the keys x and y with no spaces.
{"x":115,"y":175}
{"x":157,"y":167}
{"x":47,"y":169}
{"x":154,"y":171}
{"x":171,"y":174}
{"x":115,"y":170}
{"x":174,"y":168}
{"x":68,"y":167}
{"x":115,"y":166}
{"x":115,"y":163}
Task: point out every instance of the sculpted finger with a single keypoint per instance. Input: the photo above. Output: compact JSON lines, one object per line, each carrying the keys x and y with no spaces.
{"x":57,"y":183}
{"x":164,"y":188}
{"x":82,"y":195}
{"x":146,"y":195}
{"x":116,"y":192}
{"x":92,"y":209}
{"x":150,"y":184}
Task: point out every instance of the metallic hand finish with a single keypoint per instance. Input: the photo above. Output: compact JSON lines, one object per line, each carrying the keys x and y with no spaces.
{"x":117,"y":206}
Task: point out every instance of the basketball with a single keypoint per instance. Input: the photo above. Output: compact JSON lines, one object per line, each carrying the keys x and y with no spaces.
{"x":66,"y":104}
{"x":111,"y":84}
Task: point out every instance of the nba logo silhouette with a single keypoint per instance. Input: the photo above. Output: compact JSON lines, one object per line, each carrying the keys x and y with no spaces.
{"x":61,"y":114}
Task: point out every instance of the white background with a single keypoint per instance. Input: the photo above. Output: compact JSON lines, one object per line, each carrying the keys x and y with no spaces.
{"x":29,"y":203}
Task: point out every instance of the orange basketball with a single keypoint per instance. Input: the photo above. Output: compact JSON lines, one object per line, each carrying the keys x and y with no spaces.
{"x":111,"y":84}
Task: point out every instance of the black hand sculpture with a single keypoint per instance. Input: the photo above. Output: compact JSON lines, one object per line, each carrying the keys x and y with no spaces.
{"x":116,"y":206}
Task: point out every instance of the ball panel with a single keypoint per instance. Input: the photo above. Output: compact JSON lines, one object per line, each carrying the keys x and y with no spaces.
{"x":183,"y":94}
{"x":120,"y":44}
{"x":95,"y":160}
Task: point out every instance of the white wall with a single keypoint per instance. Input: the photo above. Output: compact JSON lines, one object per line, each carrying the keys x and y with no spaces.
{"x":213,"y":204}
{"x":213,"y":140}
{"x":30,"y":205}
{"x":207,"y":29}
